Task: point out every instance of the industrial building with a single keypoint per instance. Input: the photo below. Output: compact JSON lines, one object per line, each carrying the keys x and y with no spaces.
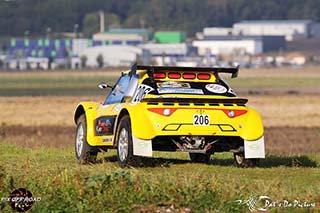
{"x":290,"y":29}
{"x":122,"y":47}
{"x":217,"y":47}
{"x":166,"y":54}
{"x":111,"y":55}
{"x":269,"y":43}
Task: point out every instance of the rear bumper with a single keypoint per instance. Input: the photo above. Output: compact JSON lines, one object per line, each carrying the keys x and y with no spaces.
{"x":149,"y":125}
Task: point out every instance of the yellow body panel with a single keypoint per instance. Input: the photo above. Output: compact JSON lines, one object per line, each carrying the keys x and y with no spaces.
{"x":91,"y":111}
{"x":148,"y":125}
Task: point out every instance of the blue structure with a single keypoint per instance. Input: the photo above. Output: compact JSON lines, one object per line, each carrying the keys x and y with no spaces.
{"x":53,"y":48}
{"x":41,"y":48}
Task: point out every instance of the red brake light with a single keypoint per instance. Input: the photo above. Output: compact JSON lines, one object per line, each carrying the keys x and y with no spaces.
{"x":159,"y":75}
{"x":163,"y":111}
{"x":234,"y":113}
{"x":189,"y":75}
{"x":174,"y":75}
{"x":204,"y":76}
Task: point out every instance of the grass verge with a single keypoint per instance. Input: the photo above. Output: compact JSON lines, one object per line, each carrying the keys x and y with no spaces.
{"x":168,"y":180}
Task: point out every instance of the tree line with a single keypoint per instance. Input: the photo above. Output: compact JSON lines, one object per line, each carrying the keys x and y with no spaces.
{"x":39,"y":18}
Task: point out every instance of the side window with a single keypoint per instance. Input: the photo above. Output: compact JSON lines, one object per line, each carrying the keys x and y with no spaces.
{"x":118,"y":92}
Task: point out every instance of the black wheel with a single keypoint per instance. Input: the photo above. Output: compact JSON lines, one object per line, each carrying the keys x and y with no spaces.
{"x":124,"y":143}
{"x":199,"y":157}
{"x":84,"y":152}
{"x":240,"y":161}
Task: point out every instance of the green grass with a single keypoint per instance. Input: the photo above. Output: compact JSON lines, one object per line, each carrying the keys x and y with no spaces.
{"x":288,"y":83}
{"x":45,"y":84}
{"x":85,"y":83}
{"x":165,"y":180}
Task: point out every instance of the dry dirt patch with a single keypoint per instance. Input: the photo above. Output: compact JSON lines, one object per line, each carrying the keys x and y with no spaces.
{"x":280,"y":110}
{"x":279,"y":140}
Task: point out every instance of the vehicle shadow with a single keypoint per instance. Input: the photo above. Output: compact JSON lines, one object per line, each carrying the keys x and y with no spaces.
{"x":273,"y":161}
{"x":148,"y":162}
{"x":269,"y":162}
{"x":287,"y":161}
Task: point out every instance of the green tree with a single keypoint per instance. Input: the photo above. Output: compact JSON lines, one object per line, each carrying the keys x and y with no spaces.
{"x":112,"y":20}
{"x":90,"y":24}
{"x":83,"y":60}
{"x":100,"y":60}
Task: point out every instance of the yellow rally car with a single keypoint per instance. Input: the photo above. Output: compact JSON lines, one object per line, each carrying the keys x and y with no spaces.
{"x":188,"y":109}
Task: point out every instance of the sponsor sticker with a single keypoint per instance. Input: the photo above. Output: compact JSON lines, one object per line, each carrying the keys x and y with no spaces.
{"x":180,"y":90}
{"x":171,"y":84}
{"x":105,"y":140}
{"x":104,"y":125}
{"x":216,"y":88}
{"x":141,"y":92}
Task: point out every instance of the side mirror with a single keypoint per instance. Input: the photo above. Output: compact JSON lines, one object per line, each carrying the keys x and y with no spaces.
{"x":103,"y":86}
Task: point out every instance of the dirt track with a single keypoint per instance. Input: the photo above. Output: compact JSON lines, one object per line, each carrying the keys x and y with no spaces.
{"x":280,"y":140}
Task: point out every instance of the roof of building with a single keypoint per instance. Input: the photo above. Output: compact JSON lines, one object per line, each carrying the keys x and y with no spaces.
{"x":129,"y":31}
{"x":241,"y":37}
{"x":292,"y":21}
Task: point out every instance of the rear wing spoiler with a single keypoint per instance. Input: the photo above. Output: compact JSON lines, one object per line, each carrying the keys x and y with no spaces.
{"x":151,"y":69}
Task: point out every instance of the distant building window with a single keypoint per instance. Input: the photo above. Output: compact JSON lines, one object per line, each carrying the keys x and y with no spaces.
{"x":67,"y":43}
{"x":26,"y":43}
{"x":13,"y":43}
{"x":57,"y":43}
{"x":53,"y":53}
{"x":40,"y":42}
{"x":40,"y":53}
{"x":124,"y":42}
{"x":33,"y":53}
{"x":90,"y":43}
{"x":47,"y":43}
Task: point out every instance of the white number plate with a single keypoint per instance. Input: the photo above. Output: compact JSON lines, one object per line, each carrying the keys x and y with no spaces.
{"x":201,"y":120}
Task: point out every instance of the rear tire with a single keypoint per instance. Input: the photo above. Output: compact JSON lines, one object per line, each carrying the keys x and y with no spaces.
{"x":199,"y":157}
{"x":124,"y":143}
{"x":85,"y":153}
{"x":241,"y":161}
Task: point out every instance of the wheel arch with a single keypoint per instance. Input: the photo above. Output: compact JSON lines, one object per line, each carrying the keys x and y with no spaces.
{"x":84,"y":108}
{"x":121,"y":114}
{"x":79,"y":111}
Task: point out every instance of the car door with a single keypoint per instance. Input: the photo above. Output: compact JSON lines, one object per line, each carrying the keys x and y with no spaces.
{"x":109,"y":110}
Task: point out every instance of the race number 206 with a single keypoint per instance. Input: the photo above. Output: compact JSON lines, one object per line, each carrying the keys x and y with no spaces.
{"x":201,"y":120}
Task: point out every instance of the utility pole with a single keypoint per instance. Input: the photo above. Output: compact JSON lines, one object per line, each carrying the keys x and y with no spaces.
{"x":102,"y":21}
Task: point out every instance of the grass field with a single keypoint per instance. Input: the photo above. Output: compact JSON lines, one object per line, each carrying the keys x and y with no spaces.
{"x":36,"y":150}
{"x":76,"y":83}
{"x":166,"y":180}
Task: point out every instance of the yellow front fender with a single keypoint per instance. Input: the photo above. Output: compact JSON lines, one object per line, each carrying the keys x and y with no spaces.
{"x":90,"y":111}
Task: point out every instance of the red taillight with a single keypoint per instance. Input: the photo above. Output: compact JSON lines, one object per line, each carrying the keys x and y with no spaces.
{"x":234,"y":113}
{"x":174,"y":75}
{"x":189,"y":76}
{"x":204,"y":76}
{"x":159,"y":75}
{"x":163,"y":111}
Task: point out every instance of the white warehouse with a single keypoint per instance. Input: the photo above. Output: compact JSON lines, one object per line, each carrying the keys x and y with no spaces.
{"x":291,"y":29}
{"x":216,"y":47}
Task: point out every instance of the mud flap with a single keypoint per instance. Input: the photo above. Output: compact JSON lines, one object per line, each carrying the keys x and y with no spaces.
{"x":254,"y":149}
{"x":142,"y":147}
